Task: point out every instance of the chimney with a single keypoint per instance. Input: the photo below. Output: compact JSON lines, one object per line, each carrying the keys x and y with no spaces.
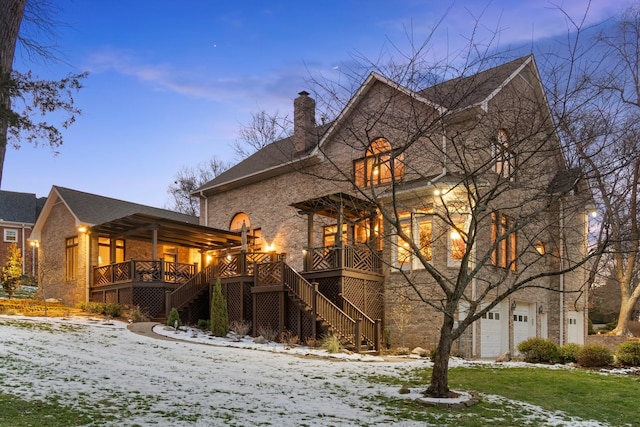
{"x":304,"y":122}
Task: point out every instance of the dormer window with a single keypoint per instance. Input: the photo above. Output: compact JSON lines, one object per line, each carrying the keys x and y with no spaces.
{"x":379,"y":166}
{"x":505,"y":157}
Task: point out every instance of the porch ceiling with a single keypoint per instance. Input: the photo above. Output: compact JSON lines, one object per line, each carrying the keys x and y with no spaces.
{"x":140,"y":227}
{"x":353,"y":207}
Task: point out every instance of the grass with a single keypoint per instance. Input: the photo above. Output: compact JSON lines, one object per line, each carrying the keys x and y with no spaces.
{"x":510,"y":392}
{"x":16,"y":412}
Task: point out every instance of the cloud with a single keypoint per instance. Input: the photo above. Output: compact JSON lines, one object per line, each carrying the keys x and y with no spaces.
{"x":198,"y":83}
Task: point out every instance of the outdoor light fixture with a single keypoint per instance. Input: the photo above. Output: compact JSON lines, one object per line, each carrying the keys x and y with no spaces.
{"x":540,"y":247}
{"x":540,"y":309}
{"x":513,"y":305}
{"x":82,"y":228}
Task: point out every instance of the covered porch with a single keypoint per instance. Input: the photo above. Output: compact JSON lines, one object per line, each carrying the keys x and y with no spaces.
{"x":145,"y":282}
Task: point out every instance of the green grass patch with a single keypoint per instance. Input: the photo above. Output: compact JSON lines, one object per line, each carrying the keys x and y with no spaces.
{"x":587,"y":395}
{"x":16,"y":412}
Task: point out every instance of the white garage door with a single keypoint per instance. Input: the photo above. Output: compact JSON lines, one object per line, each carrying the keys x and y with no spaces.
{"x":575,"y":327}
{"x":523,"y":324}
{"x":490,"y":333}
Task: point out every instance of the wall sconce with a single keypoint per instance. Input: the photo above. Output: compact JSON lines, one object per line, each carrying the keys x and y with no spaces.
{"x":82,"y":228}
{"x":540,"y":247}
{"x":540,"y":309}
{"x":513,"y":305}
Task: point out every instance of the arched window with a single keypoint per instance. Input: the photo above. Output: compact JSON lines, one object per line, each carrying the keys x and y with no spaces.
{"x":379,"y":166}
{"x":237,"y":220}
{"x":256,"y":233}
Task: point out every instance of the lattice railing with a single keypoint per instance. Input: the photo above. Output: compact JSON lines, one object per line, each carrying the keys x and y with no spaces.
{"x":357,"y":257}
{"x":191,"y":288}
{"x":242,"y":263}
{"x":143,"y":271}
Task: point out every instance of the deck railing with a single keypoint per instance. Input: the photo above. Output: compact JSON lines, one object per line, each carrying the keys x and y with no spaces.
{"x":242,"y":263}
{"x":143,"y":271}
{"x":181,"y":296}
{"x":346,"y":256}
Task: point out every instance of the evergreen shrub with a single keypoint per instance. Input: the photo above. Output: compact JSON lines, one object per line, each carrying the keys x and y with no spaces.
{"x":173,"y":316}
{"x":219,"y":313}
{"x":568,"y":352}
{"x":538,"y":350}
{"x":594,"y":356}
{"x":628,"y":353}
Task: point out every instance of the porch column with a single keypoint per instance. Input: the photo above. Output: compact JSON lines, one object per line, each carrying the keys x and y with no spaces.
{"x":308,"y":256}
{"x":154,"y":244}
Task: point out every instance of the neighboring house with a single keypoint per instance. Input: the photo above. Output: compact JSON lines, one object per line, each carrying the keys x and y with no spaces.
{"x":307,"y":199}
{"x":95,"y":248}
{"x":18,"y":214}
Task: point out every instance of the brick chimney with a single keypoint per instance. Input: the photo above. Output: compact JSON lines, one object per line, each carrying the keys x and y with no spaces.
{"x":304,"y":122}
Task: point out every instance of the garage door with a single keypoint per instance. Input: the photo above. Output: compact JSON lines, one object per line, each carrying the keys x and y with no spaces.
{"x":490,"y":333}
{"x":523,"y":324}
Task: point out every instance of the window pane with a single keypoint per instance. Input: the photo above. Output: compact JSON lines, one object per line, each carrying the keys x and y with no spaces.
{"x":457,"y":244}
{"x":425,"y":239}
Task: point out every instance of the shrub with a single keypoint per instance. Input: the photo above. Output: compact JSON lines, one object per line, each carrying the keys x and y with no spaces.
{"x":240,"y":327}
{"x":568,"y":352}
{"x":204,"y":324}
{"x":138,"y":315}
{"x":538,"y":350}
{"x":267,"y":333}
{"x":594,"y":356}
{"x":112,"y":309}
{"x":330,"y":343}
{"x":173,"y":318}
{"x":219,"y":313}
{"x":628,"y":353}
{"x":288,"y":338}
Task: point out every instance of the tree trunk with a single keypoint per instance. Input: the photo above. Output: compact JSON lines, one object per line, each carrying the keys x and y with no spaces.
{"x":11,"y":12}
{"x":626,"y":309}
{"x":439,"y":386}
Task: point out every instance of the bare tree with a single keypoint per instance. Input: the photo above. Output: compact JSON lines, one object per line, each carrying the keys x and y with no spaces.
{"x":22,"y":95}
{"x":262,"y":129}
{"x":189,"y":179}
{"x":596,"y":97}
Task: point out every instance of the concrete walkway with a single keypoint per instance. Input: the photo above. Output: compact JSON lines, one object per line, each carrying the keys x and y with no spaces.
{"x":146,"y":329}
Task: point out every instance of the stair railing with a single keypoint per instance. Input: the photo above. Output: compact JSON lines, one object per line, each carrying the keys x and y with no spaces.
{"x":369,"y":328}
{"x":183,"y":295}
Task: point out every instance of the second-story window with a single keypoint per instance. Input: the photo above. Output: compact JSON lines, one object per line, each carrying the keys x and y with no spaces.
{"x":505,"y":157}
{"x":379,"y":166}
{"x":504,"y":240}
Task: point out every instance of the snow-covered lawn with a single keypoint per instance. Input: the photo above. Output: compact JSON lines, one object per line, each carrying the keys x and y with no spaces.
{"x":198,"y":381}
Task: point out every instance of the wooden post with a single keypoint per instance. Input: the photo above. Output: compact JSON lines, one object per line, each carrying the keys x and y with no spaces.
{"x":377,"y":334}
{"x":254,"y":324}
{"x":167,"y":302}
{"x":358,"y":337}
{"x":281,"y":323}
{"x":314,"y":317}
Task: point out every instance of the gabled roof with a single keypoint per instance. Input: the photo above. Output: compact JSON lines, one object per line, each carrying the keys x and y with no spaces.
{"x":463,"y":92}
{"x":453,"y":95}
{"x":91,"y":209}
{"x":20,"y":207}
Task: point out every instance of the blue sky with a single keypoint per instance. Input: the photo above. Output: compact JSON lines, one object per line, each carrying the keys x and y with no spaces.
{"x":172,"y":82}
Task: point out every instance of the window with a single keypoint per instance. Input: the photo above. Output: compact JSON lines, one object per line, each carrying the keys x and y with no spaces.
{"x":238,"y":219}
{"x":418,"y":227}
{"x":504,"y":242}
{"x":379,"y":166}
{"x":104,"y":250}
{"x":505,"y":158}
{"x":457,"y":240}
{"x":358,"y":234}
{"x":71,"y":258}
{"x":10,"y":235}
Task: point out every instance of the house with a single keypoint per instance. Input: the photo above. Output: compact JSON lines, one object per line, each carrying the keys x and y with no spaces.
{"x":18,"y":213}
{"x":361,"y":211}
{"x":96,"y":248}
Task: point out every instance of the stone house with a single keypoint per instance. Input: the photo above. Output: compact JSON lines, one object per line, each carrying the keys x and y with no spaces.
{"x":18,"y":214}
{"x":362,"y":210}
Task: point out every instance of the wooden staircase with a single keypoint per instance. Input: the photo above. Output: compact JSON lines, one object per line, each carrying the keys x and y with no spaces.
{"x":182,"y":297}
{"x":353,"y":326}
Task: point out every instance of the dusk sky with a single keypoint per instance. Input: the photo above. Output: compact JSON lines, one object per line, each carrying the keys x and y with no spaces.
{"x":172,"y":82}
